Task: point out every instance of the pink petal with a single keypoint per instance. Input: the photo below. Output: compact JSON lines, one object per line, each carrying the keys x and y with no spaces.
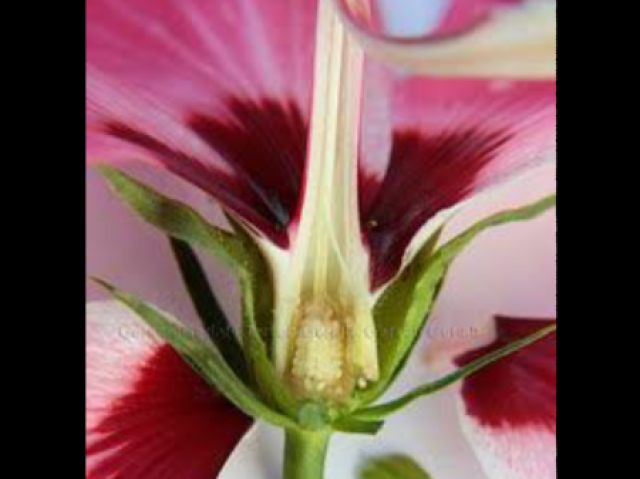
{"x":216,"y":92}
{"x":451,"y":141}
{"x":509,"y":409}
{"x":149,"y":415}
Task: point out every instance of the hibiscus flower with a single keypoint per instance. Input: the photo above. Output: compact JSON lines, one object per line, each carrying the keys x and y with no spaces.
{"x":338,"y":176}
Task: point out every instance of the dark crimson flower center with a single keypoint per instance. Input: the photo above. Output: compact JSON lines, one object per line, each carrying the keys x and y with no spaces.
{"x":426,"y":174}
{"x":265,"y":143}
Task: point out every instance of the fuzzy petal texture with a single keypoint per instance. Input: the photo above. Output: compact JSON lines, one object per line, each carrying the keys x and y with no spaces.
{"x":509,"y":410}
{"x":149,"y":415}
{"x":216,"y":92}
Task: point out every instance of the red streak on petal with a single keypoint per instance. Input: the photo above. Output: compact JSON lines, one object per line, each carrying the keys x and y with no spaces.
{"x":172,"y":424}
{"x":368,"y":186}
{"x":266,"y":145}
{"x":426,"y":174}
{"x":263,"y":142}
{"x":519,"y":390}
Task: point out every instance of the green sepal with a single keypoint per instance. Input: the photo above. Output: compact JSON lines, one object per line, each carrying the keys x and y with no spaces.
{"x":205,"y":359}
{"x":396,"y":317}
{"x":257,"y":310}
{"x":175,"y":218}
{"x":206,"y":304}
{"x":402,"y":312}
{"x":377,"y":413}
{"x":316,"y":417}
{"x":393,"y":467}
{"x":238,"y":252}
{"x":352,"y":425}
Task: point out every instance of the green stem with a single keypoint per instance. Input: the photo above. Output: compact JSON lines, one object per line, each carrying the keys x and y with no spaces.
{"x":305,"y":454}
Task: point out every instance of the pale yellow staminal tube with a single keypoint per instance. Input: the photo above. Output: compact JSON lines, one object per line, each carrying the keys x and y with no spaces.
{"x":325,"y":342}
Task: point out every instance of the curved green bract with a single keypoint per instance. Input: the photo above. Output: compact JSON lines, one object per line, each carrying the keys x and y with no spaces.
{"x":377,"y":413}
{"x":400,"y":314}
{"x":238,"y":252}
{"x":209,"y":310}
{"x":206,"y":360}
{"x":403,"y":310}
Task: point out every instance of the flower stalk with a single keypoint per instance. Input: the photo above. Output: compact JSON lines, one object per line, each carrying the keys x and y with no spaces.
{"x":305,"y":454}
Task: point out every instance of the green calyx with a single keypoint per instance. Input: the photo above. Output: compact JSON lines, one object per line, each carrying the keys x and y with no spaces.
{"x":403,"y":311}
{"x":242,"y":368}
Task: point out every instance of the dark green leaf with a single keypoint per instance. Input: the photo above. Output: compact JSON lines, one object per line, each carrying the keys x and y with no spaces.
{"x":206,"y":304}
{"x":393,"y":467}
